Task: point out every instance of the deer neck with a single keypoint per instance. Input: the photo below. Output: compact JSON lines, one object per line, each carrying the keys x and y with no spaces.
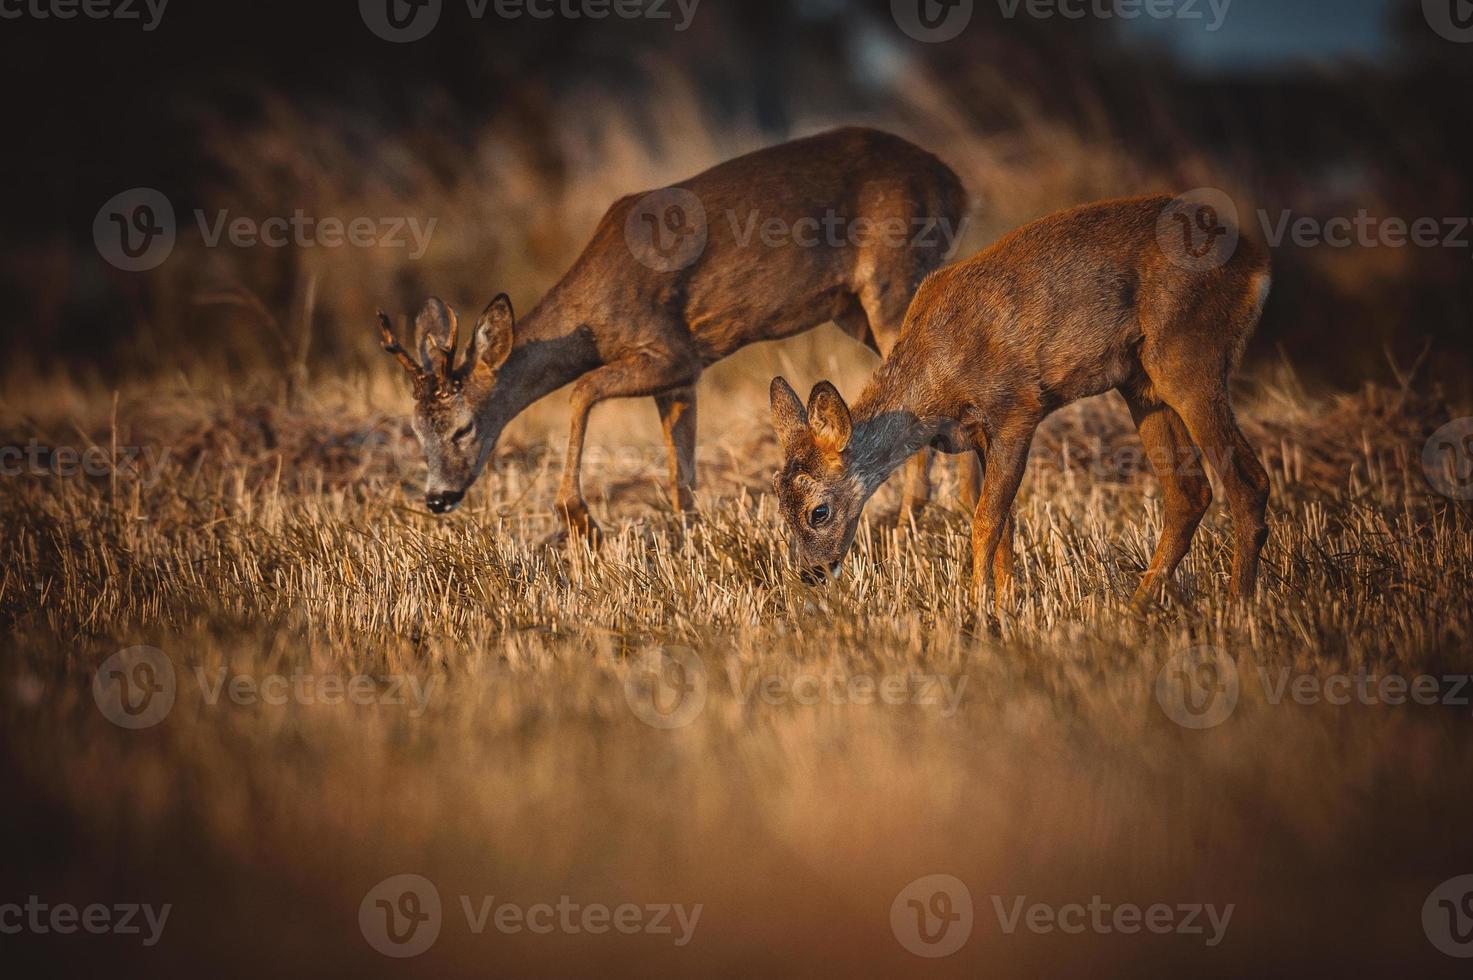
{"x":890,"y":426}
{"x":553,"y":347}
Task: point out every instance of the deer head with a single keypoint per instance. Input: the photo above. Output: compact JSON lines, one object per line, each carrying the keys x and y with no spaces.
{"x":820,"y":495}
{"x":453,"y":407}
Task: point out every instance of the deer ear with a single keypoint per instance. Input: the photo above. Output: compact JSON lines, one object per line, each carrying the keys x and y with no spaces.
{"x":788,"y":417}
{"x":829,"y":419}
{"x":437,"y":330}
{"x":491,"y":343}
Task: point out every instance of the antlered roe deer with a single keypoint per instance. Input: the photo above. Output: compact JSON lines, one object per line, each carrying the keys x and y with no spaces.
{"x":1154,"y":297}
{"x":676,"y":280}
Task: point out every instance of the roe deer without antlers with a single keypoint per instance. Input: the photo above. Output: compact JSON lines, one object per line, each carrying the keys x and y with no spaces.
{"x":630,"y":321}
{"x":1073,"y":305}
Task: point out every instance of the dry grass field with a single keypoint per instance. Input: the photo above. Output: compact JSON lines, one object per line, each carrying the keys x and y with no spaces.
{"x":800,"y":757}
{"x":256,"y":700}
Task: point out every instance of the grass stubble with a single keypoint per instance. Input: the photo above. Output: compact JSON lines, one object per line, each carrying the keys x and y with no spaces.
{"x":276,"y":541}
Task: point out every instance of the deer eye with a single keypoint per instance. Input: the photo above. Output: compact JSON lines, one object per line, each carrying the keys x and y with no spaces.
{"x":819,"y":516}
{"x":462,"y":432}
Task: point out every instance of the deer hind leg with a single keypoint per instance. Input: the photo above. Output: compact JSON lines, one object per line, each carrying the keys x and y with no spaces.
{"x":1244,"y":479}
{"x":678,"y":416}
{"x":1193,"y":381}
{"x":1186,"y":493}
{"x":628,"y":378}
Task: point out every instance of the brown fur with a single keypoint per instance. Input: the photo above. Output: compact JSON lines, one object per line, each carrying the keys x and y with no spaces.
{"x":1071,"y":306}
{"x":621,"y":329}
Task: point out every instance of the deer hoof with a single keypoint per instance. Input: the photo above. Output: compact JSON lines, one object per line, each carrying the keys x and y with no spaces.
{"x":556,"y":539}
{"x":578,"y":523}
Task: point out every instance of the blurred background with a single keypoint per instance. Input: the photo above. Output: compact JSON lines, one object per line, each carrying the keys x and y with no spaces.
{"x":513,"y":134}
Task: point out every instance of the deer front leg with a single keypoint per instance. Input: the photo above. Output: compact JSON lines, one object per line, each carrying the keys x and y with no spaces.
{"x":622,"y":379}
{"x":1005,"y":560}
{"x":1007,"y":459}
{"x":915,"y":493}
{"x":969,"y":476}
{"x":678,"y":416}
{"x":972,"y":466}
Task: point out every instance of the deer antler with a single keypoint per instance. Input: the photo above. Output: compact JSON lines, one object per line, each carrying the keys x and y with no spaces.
{"x":450,"y":370}
{"x":438,"y":329}
{"x":391,"y":345}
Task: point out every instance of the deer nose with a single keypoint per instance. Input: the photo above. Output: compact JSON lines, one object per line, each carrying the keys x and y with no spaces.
{"x":819,"y":574}
{"x":443,"y":502}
